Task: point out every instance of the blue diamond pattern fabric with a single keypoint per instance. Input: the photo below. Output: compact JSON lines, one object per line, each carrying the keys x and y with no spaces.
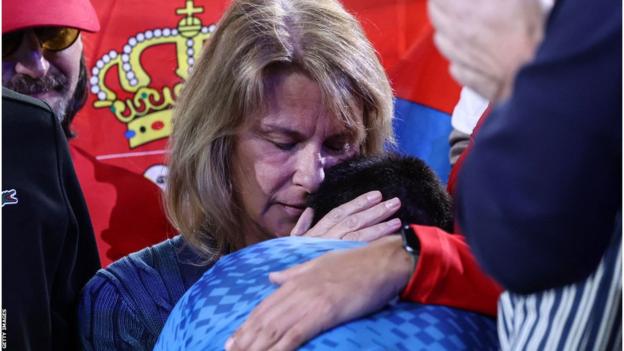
{"x":220,"y":301}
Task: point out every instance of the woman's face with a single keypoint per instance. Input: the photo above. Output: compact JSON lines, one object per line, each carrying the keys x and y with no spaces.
{"x":281,"y":155}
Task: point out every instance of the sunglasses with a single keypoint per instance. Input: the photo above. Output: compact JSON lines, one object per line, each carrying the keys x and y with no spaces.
{"x":50,"y":38}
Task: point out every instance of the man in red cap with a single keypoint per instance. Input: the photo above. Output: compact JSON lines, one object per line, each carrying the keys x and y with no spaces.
{"x":48,"y":247}
{"x":42,"y":52}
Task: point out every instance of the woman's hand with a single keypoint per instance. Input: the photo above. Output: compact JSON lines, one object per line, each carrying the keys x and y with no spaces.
{"x":361,"y":219}
{"x":322,"y":293}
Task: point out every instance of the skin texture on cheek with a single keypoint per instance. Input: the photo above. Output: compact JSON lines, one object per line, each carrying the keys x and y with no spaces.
{"x":261,"y":172}
{"x":68,"y":63}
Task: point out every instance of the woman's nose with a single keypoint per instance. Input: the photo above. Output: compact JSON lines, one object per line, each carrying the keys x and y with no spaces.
{"x":309,"y":172}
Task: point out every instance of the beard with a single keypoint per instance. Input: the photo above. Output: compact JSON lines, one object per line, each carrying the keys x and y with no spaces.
{"x":53,"y":82}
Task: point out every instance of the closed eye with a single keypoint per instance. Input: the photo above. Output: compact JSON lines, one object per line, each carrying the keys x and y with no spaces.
{"x":284,"y":146}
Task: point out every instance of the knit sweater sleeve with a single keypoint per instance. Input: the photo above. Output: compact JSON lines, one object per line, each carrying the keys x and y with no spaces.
{"x":125,"y":306}
{"x":108,"y":320}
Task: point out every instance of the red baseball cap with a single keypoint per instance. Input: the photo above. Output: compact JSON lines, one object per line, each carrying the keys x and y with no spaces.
{"x":20,"y":14}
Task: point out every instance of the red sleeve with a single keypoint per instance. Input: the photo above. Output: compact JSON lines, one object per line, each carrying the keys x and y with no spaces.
{"x":448,"y":274}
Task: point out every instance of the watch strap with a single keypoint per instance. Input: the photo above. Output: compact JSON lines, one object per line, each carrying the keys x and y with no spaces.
{"x":411,"y":243}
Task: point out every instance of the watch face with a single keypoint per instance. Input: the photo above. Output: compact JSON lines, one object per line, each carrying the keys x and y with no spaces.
{"x":410,"y":240}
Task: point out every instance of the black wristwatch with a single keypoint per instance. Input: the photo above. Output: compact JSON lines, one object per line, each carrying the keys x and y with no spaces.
{"x":411,"y":244}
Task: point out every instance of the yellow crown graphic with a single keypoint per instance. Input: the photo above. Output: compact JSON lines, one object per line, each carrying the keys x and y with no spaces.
{"x":147,"y":113}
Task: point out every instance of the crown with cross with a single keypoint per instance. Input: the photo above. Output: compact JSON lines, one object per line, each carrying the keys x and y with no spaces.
{"x":147,"y":112}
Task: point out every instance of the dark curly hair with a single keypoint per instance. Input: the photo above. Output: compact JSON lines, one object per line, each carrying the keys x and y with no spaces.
{"x":424,"y":199}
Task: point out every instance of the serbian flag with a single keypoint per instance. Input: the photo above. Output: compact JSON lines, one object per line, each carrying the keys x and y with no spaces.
{"x":137,"y":64}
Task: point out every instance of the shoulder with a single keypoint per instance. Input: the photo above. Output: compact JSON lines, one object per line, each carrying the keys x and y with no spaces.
{"x":24,"y":100}
{"x":24,"y":120}
{"x":135,"y":295}
{"x":24,"y":114}
{"x":149,"y":278}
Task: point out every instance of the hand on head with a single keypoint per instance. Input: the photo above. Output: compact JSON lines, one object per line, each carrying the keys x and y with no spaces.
{"x":363,"y":219}
{"x":348,"y":204}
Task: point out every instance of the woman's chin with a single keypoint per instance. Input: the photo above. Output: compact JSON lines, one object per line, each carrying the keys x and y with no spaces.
{"x":279,"y":227}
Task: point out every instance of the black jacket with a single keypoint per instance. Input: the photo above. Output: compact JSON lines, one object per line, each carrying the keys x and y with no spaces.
{"x":48,"y":246}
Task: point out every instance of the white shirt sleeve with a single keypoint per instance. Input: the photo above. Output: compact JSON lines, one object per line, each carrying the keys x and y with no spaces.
{"x":468,"y":110}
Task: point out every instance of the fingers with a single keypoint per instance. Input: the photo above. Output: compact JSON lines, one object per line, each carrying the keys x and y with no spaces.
{"x":375,"y":232}
{"x":486,"y":42}
{"x":293,"y":338}
{"x":364,"y":219}
{"x":304,"y":222}
{"x":486,"y":86}
{"x":319,"y":296}
{"x":300,"y":332}
{"x":460,"y":39}
{"x":268,"y":322}
{"x":451,"y":21}
{"x":464,"y":67}
{"x":444,"y":6}
{"x":339,"y":213}
{"x":285,"y":320}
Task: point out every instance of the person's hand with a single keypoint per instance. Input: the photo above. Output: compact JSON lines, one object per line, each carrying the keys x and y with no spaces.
{"x":361,"y":219}
{"x":324,"y":292}
{"x":487,"y":41}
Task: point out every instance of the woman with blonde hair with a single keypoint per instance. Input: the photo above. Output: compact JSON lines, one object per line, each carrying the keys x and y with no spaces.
{"x":283,"y":90}
{"x":272,"y":72}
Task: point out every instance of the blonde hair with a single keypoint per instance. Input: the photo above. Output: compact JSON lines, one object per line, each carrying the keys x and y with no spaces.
{"x":228,"y":84}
